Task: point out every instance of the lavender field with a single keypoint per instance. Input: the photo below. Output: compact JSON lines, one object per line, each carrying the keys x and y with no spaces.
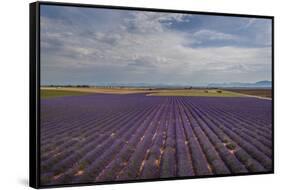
{"x":110,"y":137}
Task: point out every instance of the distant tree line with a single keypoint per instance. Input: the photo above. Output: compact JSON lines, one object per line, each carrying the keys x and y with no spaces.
{"x":73,"y":86}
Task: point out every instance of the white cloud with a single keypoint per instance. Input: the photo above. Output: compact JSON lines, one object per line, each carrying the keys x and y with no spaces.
{"x":146,"y":22}
{"x":213,"y":35}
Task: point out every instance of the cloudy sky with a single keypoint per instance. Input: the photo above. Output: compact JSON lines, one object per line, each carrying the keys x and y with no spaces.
{"x":92,"y":46}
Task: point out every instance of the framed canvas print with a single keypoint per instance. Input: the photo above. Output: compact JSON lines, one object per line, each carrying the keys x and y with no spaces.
{"x":123,"y":94}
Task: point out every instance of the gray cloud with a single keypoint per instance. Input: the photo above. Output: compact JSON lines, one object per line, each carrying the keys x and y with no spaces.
{"x":142,"y":47}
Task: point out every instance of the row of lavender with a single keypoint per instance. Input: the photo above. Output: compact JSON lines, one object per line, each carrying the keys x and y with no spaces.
{"x":127,"y":137}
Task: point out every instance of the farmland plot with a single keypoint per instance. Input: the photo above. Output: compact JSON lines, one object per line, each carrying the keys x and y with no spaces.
{"x":105,"y":137}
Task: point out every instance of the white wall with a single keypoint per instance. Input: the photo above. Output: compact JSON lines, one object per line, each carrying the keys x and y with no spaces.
{"x":14,"y":93}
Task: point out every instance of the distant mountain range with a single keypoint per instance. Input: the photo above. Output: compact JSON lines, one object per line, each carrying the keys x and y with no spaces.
{"x":259,"y":84}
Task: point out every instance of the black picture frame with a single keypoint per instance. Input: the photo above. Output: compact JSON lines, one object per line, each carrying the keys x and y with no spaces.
{"x":34,"y":90}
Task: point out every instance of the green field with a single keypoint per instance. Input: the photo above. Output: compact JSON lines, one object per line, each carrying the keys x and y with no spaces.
{"x":197,"y":92}
{"x":45,"y":93}
{"x":53,"y":92}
